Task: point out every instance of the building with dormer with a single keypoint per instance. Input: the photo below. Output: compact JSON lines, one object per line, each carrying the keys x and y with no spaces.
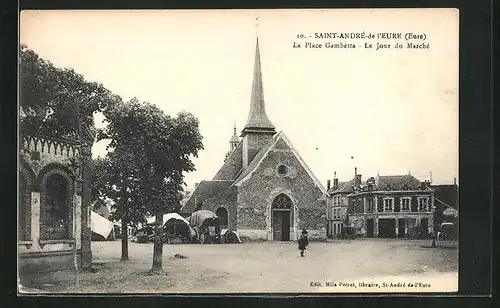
{"x":391,"y":206}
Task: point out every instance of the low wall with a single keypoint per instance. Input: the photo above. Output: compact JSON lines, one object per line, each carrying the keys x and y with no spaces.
{"x":43,"y":262}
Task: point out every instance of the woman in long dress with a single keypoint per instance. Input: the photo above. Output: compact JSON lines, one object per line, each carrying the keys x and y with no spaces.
{"x":303,"y":242}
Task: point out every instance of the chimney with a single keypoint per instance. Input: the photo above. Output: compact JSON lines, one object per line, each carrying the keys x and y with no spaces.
{"x":328,"y":185}
{"x":355,"y":171}
{"x":335,"y":183}
{"x":455,"y":181}
{"x":357,"y":180}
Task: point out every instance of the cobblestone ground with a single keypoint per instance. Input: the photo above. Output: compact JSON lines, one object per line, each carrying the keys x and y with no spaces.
{"x":264,"y":267}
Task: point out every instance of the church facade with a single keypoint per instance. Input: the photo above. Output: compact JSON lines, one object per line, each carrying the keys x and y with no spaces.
{"x":264,"y":190}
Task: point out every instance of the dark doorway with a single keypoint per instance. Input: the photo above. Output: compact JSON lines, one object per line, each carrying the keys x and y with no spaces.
{"x":222,"y":214}
{"x":369,"y":227}
{"x":277,"y":219}
{"x":424,"y":225}
{"x":387,"y":228}
{"x":285,"y":226}
{"x":281,"y":217}
{"x":401,"y":227}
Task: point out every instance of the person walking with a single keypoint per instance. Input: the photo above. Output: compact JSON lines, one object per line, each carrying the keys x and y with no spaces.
{"x":303,"y":242}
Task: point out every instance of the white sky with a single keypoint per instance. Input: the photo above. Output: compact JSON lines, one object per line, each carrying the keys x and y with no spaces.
{"x":394,"y":111}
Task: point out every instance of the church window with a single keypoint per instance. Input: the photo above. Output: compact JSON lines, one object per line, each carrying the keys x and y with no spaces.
{"x":282,"y":170}
{"x":55,"y":210}
{"x":282,"y":201}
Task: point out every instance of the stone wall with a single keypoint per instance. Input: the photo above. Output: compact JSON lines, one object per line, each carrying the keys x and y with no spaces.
{"x":257,"y":192}
{"x":252,"y":143}
{"x":227,"y":200}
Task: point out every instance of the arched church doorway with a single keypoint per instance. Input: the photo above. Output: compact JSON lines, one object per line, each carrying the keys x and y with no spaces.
{"x":281,"y":215}
{"x":222,"y":214}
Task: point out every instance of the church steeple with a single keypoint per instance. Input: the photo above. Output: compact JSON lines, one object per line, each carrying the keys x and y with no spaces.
{"x":258,"y":121}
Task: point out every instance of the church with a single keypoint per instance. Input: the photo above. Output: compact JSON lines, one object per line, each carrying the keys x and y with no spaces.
{"x":264,"y":189}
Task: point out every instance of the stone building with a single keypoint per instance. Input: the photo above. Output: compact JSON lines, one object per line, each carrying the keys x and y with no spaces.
{"x":336,"y":206}
{"x":53,"y":217}
{"x":264,"y":189}
{"x":391,"y":206}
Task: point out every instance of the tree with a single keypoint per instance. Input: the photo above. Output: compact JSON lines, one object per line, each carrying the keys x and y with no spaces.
{"x":116,"y":178}
{"x":54,"y":101}
{"x":160,"y":149}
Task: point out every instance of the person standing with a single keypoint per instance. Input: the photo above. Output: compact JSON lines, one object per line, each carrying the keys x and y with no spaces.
{"x":303,"y":242}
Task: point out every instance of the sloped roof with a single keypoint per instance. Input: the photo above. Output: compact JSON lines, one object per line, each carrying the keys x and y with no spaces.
{"x":397,"y":181}
{"x":203,"y":191}
{"x":254,"y":164}
{"x":344,"y":187}
{"x":231,"y":166}
{"x":447,"y":194}
{"x":256,"y":160}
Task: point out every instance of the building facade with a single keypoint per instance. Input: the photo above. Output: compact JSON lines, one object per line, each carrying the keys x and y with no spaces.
{"x":337,"y":204}
{"x":264,"y":189}
{"x":391,"y":206}
{"x":53,"y":217}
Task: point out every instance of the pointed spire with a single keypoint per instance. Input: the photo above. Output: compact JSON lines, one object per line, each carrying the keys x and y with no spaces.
{"x":257,"y":117}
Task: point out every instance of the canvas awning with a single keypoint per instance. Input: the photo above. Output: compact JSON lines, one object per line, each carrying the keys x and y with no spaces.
{"x":167,"y":217}
{"x":100,"y":225}
{"x":451,"y":212}
{"x":199,"y":217}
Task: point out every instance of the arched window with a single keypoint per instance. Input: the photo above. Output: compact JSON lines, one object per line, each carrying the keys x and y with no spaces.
{"x":55,"y":212}
{"x":282,"y":201}
{"x":222,"y":214}
{"x":23,"y":215}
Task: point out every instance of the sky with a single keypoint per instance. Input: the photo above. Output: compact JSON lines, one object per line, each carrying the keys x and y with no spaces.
{"x":390,"y":112}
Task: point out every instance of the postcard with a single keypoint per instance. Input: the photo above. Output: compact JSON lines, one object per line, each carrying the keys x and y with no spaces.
{"x":294,"y":151}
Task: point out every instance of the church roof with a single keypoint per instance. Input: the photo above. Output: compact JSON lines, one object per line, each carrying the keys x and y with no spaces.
{"x":257,"y":159}
{"x":257,"y":117}
{"x":203,"y":191}
{"x":254,"y":164}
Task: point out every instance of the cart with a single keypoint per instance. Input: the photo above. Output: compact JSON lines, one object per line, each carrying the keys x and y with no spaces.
{"x":207,"y":226}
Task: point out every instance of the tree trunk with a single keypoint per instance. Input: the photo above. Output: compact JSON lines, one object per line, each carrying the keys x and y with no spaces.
{"x":124,"y":240}
{"x":158,"y":244}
